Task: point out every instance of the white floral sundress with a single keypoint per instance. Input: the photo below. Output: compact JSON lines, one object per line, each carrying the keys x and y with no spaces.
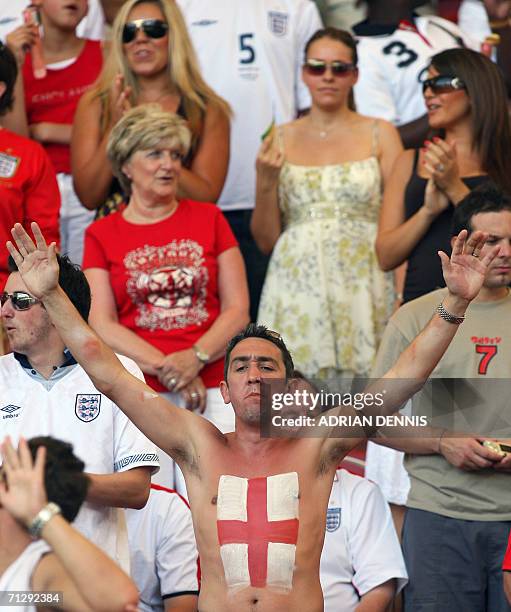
{"x":324,"y":291}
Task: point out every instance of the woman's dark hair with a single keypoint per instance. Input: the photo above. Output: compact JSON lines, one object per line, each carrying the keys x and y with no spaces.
{"x":8,"y":75}
{"x":486,"y":89}
{"x":65,"y":483}
{"x":343,"y":37}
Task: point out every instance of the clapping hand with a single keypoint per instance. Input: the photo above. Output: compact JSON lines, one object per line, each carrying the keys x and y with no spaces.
{"x":121,"y":99}
{"x":22,"y":491}
{"x":435,"y":200}
{"x":36,"y":262}
{"x":465,"y":270}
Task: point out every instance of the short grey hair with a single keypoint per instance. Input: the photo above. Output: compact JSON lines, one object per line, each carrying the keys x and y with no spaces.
{"x":141,"y":128}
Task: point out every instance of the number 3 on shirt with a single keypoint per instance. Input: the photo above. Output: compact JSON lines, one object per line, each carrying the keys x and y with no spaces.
{"x":247,"y":51}
{"x":398,"y":48}
{"x":488,"y":352}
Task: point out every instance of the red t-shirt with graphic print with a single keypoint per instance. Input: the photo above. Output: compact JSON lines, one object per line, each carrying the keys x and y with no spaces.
{"x":164,"y":276}
{"x":506,"y":566}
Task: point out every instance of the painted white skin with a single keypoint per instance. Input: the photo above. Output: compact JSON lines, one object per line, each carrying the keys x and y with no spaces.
{"x":282,"y":497}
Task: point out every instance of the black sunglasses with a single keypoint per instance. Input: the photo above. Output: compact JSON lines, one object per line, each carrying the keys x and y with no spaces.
{"x":316,"y":67}
{"x":19,"y":299}
{"x":153,"y":28}
{"x":443,"y":84}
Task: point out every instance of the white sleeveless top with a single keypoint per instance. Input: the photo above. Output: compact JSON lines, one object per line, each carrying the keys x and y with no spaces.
{"x":18,"y":576}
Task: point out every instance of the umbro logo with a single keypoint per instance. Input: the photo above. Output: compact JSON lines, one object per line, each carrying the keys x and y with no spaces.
{"x":10,"y":408}
{"x":205,"y":22}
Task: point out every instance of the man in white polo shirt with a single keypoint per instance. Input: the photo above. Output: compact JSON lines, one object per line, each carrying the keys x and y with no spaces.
{"x":43,"y":391}
{"x":164,"y":558}
{"x":361,"y":562}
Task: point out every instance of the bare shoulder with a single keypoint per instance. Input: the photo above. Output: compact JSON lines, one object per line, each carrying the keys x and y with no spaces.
{"x":89,"y":106}
{"x":47,"y":572}
{"x":387,"y":130}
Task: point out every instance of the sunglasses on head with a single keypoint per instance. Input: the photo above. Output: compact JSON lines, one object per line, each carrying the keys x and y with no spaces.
{"x":20,"y":300}
{"x":443,"y":84}
{"x":316,"y":67}
{"x":153,"y":28}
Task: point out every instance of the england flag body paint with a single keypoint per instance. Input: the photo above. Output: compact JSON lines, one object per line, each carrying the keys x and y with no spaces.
{"x":257,"y":523}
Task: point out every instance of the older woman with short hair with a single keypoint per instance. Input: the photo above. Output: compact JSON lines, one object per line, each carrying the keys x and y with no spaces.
{"x":151,"y":60}
{"x":166,"y":274}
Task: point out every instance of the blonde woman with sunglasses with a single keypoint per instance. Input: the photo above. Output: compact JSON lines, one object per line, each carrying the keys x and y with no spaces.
{"x":319,"y":186}
{"x":151,"y":60}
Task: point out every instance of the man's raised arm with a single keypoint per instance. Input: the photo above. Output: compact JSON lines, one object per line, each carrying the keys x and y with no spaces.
{"x":169,"y":427}
{"x":464,"y":273}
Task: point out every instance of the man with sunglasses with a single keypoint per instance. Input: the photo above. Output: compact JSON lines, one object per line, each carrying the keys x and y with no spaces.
{"x":394,"y":48}
{"x":258,"y":504}
{"x":44,"y":391}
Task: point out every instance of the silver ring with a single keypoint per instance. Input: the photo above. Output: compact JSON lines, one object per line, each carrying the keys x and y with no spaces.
{"x":173,"y":382}
{"x":440,"y":167}
{"x":475,"y":254}
{"x":194,"y":394}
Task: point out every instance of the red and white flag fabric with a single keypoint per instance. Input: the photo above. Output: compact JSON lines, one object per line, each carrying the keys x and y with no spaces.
{"x":257,"y":523}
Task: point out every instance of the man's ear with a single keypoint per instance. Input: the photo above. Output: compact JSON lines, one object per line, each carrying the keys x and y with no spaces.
{"x":3,"y":87}
{"x":224,"y":390}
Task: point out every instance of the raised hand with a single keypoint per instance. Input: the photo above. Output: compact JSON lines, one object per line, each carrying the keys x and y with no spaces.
{"x":121,"y":99}
{"x":36,"y":262}
{"x":22,"y":491}
{"x":465,"y":270}
{"x":269,"y":161}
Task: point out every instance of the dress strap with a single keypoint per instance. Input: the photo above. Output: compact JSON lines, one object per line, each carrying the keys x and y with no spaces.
{"x":375,"y":138}
{"x":415,"y":160}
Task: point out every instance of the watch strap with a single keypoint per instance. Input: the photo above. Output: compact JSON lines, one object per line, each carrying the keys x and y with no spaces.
{"x":448,"y":316}
{"x":43,"y":516}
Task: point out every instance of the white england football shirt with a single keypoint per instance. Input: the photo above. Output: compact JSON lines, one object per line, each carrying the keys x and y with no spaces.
{"x":393,"y":62}
{"x":361,"y":549}
{"x":164,"y":558}
{"x":73,"y":410}
{"x":251,"y":54}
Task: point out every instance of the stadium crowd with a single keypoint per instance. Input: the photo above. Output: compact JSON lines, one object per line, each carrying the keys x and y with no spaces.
{"x":204,"y":204}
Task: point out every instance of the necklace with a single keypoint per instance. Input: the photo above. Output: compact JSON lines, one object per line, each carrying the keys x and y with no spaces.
{"x":323,"y":131}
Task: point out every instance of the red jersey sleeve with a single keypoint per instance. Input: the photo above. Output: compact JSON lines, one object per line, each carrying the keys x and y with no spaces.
{"x":94,"y":255}
{"x":42,"y":196}
{"x":506,"y":565}
{"x":224,"y":237}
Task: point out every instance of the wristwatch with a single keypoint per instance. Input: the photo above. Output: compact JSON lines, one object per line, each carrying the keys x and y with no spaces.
{"x":42,"y":517}
{"x":202,"y":356}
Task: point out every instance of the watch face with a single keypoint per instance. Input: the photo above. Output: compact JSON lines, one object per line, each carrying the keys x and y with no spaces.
{"x":201,"y":356}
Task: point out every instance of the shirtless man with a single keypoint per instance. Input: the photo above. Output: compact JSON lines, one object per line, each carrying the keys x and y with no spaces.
{"x":258,"y":505}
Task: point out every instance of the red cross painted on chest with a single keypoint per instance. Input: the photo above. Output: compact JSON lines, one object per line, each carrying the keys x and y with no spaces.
{"x":258,"y":530}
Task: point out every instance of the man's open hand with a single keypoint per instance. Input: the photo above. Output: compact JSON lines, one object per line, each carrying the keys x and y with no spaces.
{"x":36,"y":262}
{"x":465,"y":270}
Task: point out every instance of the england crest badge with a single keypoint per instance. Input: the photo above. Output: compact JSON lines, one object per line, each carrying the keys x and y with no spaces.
{"x":333,"y":519}
{"x":277,"y":22}
{"x":87,"y":406}
{"x":8,"y":165}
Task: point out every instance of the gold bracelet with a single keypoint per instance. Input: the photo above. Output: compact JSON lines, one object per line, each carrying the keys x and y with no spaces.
{"x":499,"y":24}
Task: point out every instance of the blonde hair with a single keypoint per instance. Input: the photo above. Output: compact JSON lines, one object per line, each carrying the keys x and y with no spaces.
{"x":140,"y":129}
{"x":183,"y":69}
